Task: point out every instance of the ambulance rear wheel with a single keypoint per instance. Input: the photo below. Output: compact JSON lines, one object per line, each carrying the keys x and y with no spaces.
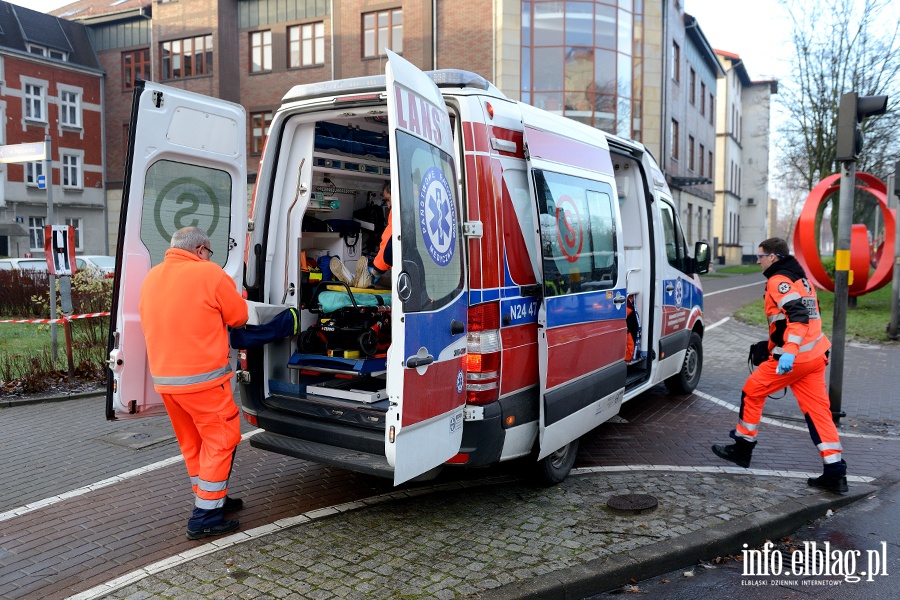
{"x":555,"y":467}
{"x":688,"y":377}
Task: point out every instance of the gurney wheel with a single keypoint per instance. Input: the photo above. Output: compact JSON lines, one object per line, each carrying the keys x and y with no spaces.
{"x":368,"y":342}
{"x":310,"y":343}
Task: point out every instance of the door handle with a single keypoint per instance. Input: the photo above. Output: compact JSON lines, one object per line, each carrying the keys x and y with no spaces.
{"x":670,"y":288}
{"x":619,"y":299}
{"x":414,"y":362}
{"x":457,"y":327}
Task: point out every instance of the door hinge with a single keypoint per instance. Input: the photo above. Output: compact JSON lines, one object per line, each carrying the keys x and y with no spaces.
{"x":157,"y":99}
{"x":251,"y":225}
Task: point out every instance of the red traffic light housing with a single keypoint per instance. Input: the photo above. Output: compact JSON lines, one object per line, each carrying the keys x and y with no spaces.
{"x":851,"y":112}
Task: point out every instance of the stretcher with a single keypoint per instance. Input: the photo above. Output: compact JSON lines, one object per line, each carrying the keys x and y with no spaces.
{"x":350,"y":322}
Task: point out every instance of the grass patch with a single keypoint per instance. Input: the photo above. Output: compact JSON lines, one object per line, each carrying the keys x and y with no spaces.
{"x":865,"y":323}
{"x":739,"y":270}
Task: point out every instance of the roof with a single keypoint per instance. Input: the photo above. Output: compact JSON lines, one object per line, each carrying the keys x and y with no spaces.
{"x":12,"y":230}
{"x":737,"y":63}
{"x":692,"y":28}
{"x":88,"y":9}
{"x":21,"y":26}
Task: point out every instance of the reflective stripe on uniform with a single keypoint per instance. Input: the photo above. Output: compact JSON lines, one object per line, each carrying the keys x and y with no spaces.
{"x":748,"y":426}
{"x":795,"y":339}
{"x":194,"y":480}
{"x":209,"y":504}
{"x":832,"y":458}
{"x":776,"y":317}
{"x":829,"y":446}
{"x":787,"y":298}
{"x":212,"y":486}
{"x":192,"y":379}
{"x":812,"y":344}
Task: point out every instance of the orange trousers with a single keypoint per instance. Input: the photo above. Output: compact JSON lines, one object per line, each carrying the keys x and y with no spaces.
{"x":807,"y":381}
{"x":208,"y":430}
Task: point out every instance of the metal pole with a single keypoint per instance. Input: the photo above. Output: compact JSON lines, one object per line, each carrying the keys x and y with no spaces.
{"x":48,"y":178}
{"x":841,"y":287}
{"x":894,"y":202}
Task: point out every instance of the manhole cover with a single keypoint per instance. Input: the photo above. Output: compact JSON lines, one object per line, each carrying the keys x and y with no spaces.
{"x":633,"y":504}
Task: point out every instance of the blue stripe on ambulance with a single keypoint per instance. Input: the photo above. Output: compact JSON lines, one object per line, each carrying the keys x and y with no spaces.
{"x":432,"y":329}
{"x":585,"y":307}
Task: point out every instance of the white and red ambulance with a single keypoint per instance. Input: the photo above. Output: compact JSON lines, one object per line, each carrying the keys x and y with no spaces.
{"x":524,"y":244}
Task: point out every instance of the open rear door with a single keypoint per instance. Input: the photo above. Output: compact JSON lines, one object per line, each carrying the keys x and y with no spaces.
{"x":426,"y":360}
{"x":581,"y":321}
{"x":186,"y":166}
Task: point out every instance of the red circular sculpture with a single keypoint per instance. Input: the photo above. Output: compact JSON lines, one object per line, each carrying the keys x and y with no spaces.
{"x":861,"y":252}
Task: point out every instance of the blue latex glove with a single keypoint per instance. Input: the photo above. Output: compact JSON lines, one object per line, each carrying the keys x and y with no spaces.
{"x":785,"y":363}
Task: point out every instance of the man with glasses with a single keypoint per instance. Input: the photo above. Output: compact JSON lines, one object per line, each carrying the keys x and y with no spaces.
{"x":187,"y":304}
{"x":798,"y":354}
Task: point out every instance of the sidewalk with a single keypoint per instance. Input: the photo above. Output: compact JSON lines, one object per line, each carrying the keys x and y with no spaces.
{"x":500,"y":537}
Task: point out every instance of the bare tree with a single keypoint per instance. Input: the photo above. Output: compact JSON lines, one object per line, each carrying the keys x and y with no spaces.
{"x":837,"y":49}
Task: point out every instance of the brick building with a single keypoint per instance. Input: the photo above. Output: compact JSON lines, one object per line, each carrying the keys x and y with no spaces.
{"x":50,"y":84}
{"x":608,"y":63}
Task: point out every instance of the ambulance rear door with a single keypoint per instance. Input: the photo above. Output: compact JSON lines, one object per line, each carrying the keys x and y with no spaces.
{"x":186,"y":166}
{"x":426,"y":360}
{"x":581,"y":320}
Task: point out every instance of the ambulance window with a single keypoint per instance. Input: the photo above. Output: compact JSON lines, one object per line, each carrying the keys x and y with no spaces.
{"x":578,"y":233}
{"x":674,"y":239}
{"x":516,"y":183}
{"x":179,"y":195}
{"x":431,"y":224}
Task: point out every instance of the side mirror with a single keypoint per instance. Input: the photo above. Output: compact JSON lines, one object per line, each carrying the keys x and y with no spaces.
{"x":701,"y":258}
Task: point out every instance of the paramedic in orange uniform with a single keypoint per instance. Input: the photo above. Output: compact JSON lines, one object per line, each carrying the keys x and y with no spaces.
{"x":367,"y":274}
{"x":187,"y":304}
{"x":798,"y":355}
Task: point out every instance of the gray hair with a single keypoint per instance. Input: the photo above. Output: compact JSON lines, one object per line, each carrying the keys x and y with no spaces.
{"x":189,"y":238}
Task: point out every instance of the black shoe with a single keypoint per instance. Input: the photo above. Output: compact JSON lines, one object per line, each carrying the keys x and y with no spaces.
{"x":837,"y":485}
{"x":833,"y":479}
{"x":232,"y":504}
{"x":220,"y":529}
{"x":739,"y":452}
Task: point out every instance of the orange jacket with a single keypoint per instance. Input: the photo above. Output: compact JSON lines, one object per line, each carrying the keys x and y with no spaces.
{"x":792,"y":310}
{"x":186,"y":304}
{"x":385,"y":257}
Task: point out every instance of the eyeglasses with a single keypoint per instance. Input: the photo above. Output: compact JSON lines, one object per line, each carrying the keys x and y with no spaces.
{"x":207,"y":248}
{"x":762,"y":256}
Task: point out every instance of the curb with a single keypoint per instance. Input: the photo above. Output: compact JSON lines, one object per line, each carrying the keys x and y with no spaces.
{"x":13,"y":402}
{"x":607,"y":574}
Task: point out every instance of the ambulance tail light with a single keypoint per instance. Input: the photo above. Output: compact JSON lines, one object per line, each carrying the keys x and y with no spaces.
{"x":483,"y":354}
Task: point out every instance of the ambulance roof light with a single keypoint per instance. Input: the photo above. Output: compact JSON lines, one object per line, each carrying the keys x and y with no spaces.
{"x":376,"y":83}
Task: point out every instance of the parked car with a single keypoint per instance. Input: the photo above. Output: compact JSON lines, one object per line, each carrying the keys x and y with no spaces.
{"x":35,"y":264}
{"x":104,"y":264}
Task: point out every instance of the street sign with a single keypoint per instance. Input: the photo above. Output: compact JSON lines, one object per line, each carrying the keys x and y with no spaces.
{"x":59,"y":247}
{"x":42,"y":182}
{"x":18,"y":153}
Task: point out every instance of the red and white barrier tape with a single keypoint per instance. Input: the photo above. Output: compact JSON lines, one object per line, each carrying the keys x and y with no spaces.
{"x":63,"y":319}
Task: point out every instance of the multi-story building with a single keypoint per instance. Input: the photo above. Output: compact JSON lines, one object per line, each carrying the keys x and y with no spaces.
{"x":742,"y":166}
{"x":51,"y":84}
{"x":630,"y":67}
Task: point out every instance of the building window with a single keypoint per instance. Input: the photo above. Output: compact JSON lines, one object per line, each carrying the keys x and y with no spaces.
{"x":189,"y":57}
{"x":33,"y":170}
{"x":259,"y":129}
{"x":382,"y":30}
{"x":712,"y":111}
{"x":306,"y":45}
{"x":70,"y":108}
{"x":711,"y":171}
{"x":47,"y":52}
{"x":76,"y":225}
{"x":260,"y":51}
{"x":691,"y":152}
{"x":673,"y":139}
{"x":702,"y":98}
{"x":676,"y":62}
{"x":135,"y":65}
{"x":693,"y":87}
{"x":36,"y":233}
{"x":34,"y":103}
{"x":71,"y":171}
{"x":702,"y":156}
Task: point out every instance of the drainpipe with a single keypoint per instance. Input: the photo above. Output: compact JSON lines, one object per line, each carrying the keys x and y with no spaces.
{"x":331,"y":11}
{"x":664,"y":133}
{"x":103,"y":159}
{"x":434,"y":34}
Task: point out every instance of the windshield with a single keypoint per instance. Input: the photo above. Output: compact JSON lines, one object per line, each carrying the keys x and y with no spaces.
{"x":104,"y":262}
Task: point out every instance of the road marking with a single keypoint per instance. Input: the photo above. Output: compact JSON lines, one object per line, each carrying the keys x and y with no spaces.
{"x":707,"y":295}
{"x":713,"y":470}
{"x":717,"y":323}
{"x":780,"y":423}
{"x":23,"y":510}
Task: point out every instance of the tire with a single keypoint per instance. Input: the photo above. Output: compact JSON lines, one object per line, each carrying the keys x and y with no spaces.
{"x":555,"y":467}
{"x":688,"y":377}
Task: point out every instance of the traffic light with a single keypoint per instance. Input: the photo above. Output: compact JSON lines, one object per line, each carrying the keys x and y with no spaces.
{"x":851,"y":111}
